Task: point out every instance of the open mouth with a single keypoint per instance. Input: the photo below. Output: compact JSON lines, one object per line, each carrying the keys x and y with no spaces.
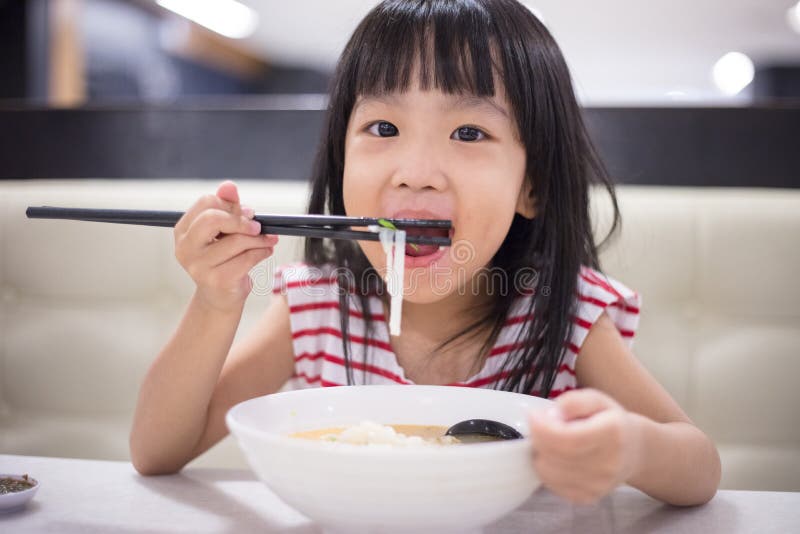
{"x":417,"y":251}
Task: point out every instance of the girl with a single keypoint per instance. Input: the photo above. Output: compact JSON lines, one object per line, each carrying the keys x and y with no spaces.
{"x":450,"y":109}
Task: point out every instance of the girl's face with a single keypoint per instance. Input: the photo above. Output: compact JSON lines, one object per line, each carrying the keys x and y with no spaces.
{"x":430,"y":155}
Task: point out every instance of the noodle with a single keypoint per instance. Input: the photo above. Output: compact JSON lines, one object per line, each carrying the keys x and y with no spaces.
{"x":394,"y":245}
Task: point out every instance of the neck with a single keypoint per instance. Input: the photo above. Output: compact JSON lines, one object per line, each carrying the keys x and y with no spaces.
{"x":437,"y":321}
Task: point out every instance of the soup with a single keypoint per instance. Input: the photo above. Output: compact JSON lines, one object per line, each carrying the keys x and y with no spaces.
{"x":13,"y":485}
{"x":369,"y":433}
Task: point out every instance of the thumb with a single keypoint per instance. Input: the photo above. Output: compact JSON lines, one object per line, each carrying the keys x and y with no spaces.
{"x":583,"y":403}
{"x":227,"y":191}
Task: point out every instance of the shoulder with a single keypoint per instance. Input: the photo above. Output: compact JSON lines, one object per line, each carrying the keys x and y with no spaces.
{"x":599,"y":294}
{"x":605,"y":289}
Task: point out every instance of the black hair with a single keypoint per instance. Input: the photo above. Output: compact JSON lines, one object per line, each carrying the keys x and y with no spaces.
{"x":460,"y":46}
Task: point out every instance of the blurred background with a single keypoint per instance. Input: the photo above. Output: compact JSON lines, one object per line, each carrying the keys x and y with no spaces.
{"x":630,"y":60}
{"x":79,"y":52}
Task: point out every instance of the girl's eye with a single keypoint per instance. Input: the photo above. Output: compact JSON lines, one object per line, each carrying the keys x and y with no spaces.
{"x":467,"y":133}
{"x":383,"y":129}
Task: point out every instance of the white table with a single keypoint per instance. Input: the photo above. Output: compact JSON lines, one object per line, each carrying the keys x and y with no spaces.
{"x":98,"y":496}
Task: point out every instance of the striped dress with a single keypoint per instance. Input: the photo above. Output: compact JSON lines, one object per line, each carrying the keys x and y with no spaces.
{"x":313,"y":297}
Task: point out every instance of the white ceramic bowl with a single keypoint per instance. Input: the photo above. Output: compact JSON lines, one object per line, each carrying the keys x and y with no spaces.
{"x":13,"y":501}
{"x":381,"y":488}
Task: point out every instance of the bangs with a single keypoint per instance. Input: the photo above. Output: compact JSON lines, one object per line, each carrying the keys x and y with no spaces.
{"x":443,"y":44}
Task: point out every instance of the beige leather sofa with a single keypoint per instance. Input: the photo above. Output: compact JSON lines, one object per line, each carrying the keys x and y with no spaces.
{"x":84,"y":307}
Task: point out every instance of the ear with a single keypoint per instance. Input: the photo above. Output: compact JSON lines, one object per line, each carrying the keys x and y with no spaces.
{"x":526,"y":202}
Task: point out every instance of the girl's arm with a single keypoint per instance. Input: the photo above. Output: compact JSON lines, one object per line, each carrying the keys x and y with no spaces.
{"x":195,"y":380}
{"x":623,"y":427}
{"x":197,"y":377}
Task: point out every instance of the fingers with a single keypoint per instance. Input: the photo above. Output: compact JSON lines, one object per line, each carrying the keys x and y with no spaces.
{"x":212,"y":222}
{"x":226,"y":199}
{"x":217,"y":242}
{"x":236,"y":268}
{"x":572,"y":459}
{"x":581,"y":478}
{"x":575,"y":484}
{"x":203,"y":203}
{"x":233,"y":245}
{"x":227,"y":191}
{"x":572,"y":426}
{"x":560,"y":476}
{"x":583,"y":403}
{"x":552,"y":435}
{"x":582,"y":445}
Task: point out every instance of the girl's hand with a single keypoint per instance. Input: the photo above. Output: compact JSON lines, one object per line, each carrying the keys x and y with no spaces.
{"x":217,"y":243}
{"x":585,"y":446}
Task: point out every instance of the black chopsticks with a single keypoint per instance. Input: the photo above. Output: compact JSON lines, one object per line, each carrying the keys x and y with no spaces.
{"x":323,"y":226}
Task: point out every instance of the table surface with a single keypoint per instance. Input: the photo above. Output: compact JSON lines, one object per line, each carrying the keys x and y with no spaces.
{"x":101,"y":496}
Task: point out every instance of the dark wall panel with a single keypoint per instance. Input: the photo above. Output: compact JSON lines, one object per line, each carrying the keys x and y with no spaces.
{"x":13,"y":49}
{"x":658,"y":146}
{"x":158,"y":143}
{"x":700,"y":146}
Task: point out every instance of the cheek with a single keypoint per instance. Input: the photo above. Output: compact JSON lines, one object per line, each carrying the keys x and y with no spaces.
{"x":360,"y":196}
{"x":360,"y":192}
{"x":360,"y":183}
{"x":486,"y":215}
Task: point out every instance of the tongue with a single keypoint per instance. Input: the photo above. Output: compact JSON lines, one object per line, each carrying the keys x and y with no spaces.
{"x":420,"y":250}
{"x":423,"y":250}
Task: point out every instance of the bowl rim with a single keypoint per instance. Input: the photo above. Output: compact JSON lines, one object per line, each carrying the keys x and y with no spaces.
{"x":378,"y":450}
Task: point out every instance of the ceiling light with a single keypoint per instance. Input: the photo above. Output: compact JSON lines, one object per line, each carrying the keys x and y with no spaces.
{"x":733,"y":72}
{"x":793,"y":17}
{"x":226,"y":17}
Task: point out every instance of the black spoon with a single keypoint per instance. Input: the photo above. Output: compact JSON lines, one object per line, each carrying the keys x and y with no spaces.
{"x":478,"y":430}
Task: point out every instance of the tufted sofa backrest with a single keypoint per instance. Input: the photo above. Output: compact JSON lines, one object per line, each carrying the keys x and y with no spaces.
{"x":85,"y":307}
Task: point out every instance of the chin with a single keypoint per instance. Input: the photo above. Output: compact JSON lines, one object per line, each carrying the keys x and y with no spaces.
{"x":426,"y":286}
{"x":426,"y":296}
{"x":434,"y":278}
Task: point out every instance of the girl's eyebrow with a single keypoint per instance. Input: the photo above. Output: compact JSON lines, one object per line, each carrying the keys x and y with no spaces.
{"x":479,"y":102}
{"x":468,"y":101}
{"x":389,"y":100}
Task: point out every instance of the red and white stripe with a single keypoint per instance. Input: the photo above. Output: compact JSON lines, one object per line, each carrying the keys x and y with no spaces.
{"x":313,"y":298}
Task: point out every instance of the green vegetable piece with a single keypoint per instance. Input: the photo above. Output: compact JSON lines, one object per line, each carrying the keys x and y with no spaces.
{"x":387,"y":224}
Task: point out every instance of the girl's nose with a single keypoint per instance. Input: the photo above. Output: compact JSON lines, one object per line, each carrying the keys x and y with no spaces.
{"x":419,"y":168}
